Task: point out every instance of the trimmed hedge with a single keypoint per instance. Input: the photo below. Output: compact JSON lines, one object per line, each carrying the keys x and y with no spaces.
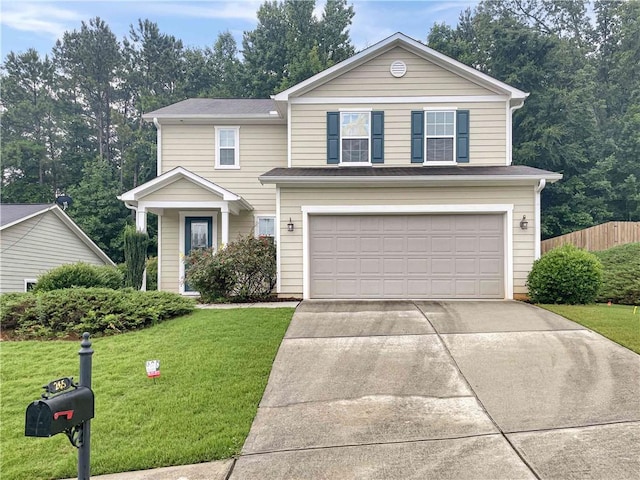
{"x":80,"y":275}
{"x":565,"y":275}
{"x":621,"y":280}
{"x":99,"y":311}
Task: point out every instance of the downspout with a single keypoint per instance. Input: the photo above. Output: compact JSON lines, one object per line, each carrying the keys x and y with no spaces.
{"x":538,"y":224}
{"x":510,"y":132}
{"x":158,"y":146}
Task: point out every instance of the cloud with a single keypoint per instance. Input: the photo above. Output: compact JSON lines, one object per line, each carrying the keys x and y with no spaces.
{"x":239,"y":10}
{"x":40,"y":19}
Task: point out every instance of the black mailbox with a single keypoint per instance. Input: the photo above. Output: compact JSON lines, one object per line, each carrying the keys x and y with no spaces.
{"x":54,"y":415}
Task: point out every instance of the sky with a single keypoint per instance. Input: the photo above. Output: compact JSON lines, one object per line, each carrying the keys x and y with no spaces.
{"x":38,"y":24}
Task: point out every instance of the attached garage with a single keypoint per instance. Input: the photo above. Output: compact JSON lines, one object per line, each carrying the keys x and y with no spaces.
{"x":407,"y":256}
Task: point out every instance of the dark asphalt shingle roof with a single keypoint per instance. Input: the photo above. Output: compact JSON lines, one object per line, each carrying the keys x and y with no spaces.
{"x":11,"y":212}
{"x":507,"y":171}
{"x":216,"y":106}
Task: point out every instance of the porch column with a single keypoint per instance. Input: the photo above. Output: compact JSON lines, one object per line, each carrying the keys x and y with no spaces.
{"x":225,"y":225}
{"x":141,"y":219}
{"x":141,"y":226}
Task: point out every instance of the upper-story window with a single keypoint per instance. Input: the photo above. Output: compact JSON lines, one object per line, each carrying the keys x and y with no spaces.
{"x":440,"y":128}
{"x":355,"y":137}
{"x":355,"y":130}
{"x":227,"y":147}
{"x":440,"y":136}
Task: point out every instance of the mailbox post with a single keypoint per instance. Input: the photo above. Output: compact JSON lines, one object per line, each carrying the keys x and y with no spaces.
{"x":84,"y":451}
{"x":67,"y":407}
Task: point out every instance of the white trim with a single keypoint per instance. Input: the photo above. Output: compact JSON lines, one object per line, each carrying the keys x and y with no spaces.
{"x":413,"y":46}
{"x":439,"y":109}
{"x":289,"y":135}
{"x":399,"y":100}
{"x":172,"y":176}
{"x":170,"y":204}
{"x":236,"y":148}
{"x":510,"y":111}
{"x":278,"y":259}
{"x":158,"y":146}
{"x":27,"y":217}
{"x":29,"y":280}
{"x":182,"y":215}
{"x":538,"y":221}
{"x":159,"y":251}
{"x":506,"y":208}
{"x":356,"y":110}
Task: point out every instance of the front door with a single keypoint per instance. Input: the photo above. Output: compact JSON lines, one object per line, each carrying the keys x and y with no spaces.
{"x":198,"y":234}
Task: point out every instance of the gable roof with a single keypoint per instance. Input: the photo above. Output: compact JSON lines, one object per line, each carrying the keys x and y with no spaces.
{"x":203,"y":108}
{"x":14,"y":213}
{"x":176,"y":174}
{"x":401,"y":40}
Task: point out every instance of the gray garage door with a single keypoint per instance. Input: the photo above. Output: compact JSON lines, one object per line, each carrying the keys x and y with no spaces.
{"x":406,"y":256}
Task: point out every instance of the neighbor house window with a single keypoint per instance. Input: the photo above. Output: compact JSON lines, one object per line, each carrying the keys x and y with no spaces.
{"x":440,"y":136}
{"x":29,"y":284}
{"x":266,"y":226}
{"x":355,"y":132}
{"x":227,"y":147}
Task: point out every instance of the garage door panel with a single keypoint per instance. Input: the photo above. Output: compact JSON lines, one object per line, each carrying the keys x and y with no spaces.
{"x":407,"y":256}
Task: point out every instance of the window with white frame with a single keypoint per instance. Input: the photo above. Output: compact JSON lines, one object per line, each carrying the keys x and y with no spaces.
{"x":29,"y":284}
{"x":440,"y":136}
{"x":266,"y":226}
{"x":227,"y":147}
{"x":355,"y":132}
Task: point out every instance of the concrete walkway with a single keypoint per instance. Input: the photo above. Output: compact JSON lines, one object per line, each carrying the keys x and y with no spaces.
{"x":460,"y":390}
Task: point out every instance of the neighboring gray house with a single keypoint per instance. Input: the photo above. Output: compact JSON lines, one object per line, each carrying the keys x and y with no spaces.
{"x":35,"y":238}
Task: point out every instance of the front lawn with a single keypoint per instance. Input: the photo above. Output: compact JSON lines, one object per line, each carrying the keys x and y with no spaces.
{"x":616,"y":322}
{"x":214,"y":366}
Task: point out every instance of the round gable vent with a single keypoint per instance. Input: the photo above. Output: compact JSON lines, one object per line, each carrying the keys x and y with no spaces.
{"x":398,"y":68}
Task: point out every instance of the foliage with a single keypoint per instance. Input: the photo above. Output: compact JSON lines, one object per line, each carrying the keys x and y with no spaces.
{"x":152,"y":273}
{"x":565,"y":275}
{"x":135,"y":256}
{"x":79,"y":275}
{"x":243,"y":270}
{"x":72,"y":311}
{"x":621,"y":278}
{"x":619,"y":323}
{"x":214,"y":365}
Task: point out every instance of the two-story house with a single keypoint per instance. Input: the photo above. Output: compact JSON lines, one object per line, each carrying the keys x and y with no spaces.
{"x":387,"y":175}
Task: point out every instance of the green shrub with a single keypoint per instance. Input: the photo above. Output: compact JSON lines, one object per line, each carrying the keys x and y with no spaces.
{"x":152,"y":273}
{"x":135,"y":256}
{"x":70,"y":312}
{"x":80,"y":275}
{"x":565,"y":275}
{"x":621,"y":279}
{"x":244,"y":270}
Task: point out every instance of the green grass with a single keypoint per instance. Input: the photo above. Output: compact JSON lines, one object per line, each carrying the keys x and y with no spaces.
{"x":214,"y":367}
{"x":616,"y":322}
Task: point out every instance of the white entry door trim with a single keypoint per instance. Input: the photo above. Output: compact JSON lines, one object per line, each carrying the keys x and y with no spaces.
{"x":183,"y":214}
{"x":506,"y":209}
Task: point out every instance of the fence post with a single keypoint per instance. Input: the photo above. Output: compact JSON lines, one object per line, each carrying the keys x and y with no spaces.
{"x":84,"y":451}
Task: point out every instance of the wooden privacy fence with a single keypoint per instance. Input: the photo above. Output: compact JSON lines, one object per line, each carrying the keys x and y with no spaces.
{"x":600,"y":237}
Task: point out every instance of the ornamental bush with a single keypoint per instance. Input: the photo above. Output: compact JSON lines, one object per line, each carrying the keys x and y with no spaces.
{"x":244,"y":270}
{"x":99,"y":311}
{"x":135,"y":256}
{"x":565,"y":275}
{"x":621,"y":279}
{"x":80,"y":275}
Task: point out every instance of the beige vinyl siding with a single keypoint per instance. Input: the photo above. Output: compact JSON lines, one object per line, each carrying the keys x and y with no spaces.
{"x":182,"y":190}
{"x":37,"y":245}
{"x":292,"y":199}
{"x":487,"y":132}
{"x":171,"y":252}
{"x":373,"y":79}
{"x":262,"y":147}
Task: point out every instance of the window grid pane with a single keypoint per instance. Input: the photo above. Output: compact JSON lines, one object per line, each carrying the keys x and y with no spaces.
{"x":356,"y":150}
{"x":227,"y":138}
{"x":227,"y":156}
{"x":354,"y":125}
{"x":440,"y":133}
{"x":439,"y":149}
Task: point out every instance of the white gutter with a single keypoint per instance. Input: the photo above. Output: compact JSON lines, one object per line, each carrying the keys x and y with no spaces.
{"x":404,"y":179}
{"x":158,"y":146}
{"x":538,"y":223}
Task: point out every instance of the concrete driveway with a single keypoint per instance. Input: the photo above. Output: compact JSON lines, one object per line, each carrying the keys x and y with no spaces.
{"x":415,"y":390}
